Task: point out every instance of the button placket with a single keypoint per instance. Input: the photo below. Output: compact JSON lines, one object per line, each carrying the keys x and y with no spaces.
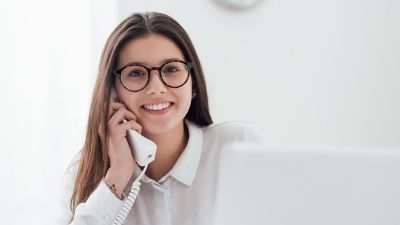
{"x":167,"y":199}
{"x":115,"y":207}
{"x":158,"y":186}
{"x":107,"y":218}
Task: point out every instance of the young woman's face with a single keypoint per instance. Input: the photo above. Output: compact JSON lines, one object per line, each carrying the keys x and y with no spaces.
{"x":152,"y":50}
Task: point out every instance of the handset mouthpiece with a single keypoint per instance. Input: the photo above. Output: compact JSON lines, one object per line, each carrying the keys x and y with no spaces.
{"x":144,"y":150}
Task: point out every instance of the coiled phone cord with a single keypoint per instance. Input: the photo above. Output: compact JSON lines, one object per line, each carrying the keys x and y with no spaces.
{"x":130,"y":199}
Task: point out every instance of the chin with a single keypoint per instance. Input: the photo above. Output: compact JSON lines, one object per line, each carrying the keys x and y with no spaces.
{"x":157,"y":128}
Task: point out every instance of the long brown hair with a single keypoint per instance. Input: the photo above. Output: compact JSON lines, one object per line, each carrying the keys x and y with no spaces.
{"x":94,"y":161}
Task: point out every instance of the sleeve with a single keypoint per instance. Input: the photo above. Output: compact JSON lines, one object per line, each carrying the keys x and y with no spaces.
{"x":235,"y":131}
{"x":101,"y":208}
{"x":251,"y":134}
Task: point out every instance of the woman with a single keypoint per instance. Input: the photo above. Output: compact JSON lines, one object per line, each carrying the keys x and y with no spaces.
{"x":151,"y":63}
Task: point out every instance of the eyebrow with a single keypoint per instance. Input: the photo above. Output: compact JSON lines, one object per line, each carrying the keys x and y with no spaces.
{"x":160,"y":63}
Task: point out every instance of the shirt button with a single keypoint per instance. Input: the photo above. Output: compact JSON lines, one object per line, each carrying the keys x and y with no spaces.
{"x":107,"y":218}
{"x":115,"y":207}
{"x":157,"y":186}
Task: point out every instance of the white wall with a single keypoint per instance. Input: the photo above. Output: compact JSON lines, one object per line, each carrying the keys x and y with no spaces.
{"x":45,"y":88}
{"x":305,"y":72}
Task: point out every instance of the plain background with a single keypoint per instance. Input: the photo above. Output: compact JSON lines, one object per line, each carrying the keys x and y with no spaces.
{"x":304,"y":72}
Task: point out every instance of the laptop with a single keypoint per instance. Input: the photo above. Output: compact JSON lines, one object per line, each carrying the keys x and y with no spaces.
{"x":308,"y":186}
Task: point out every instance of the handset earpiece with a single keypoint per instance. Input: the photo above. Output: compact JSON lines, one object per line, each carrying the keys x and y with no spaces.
{"x":113,"y":95}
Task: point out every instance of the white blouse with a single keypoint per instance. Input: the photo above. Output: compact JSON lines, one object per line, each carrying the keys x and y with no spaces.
{"x":185,"y":195}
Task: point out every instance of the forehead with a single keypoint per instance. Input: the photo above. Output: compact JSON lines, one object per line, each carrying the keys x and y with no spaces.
{"x":150,"y":50}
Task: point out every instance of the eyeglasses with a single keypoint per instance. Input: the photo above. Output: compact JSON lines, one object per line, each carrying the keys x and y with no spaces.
{"x":135,"y":77}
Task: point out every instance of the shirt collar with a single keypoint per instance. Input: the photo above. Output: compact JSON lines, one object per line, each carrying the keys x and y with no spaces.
{"x":186,"y":166}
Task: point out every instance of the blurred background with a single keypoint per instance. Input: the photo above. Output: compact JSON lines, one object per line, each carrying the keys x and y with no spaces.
{"x":308,"y":72}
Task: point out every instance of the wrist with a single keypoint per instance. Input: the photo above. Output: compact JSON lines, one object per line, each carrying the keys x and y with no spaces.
{"x":117,"y":179}
{"x":122,"y":164}
{"x":114,"y":190}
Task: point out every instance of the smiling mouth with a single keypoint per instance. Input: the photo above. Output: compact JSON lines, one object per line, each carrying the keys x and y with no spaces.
{"x":157,"y":107}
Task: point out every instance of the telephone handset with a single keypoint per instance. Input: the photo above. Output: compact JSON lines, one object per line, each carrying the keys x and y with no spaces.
{"x":144,"y":152}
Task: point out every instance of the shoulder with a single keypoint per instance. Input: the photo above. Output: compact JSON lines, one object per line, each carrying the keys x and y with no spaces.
{"x":74,"y":162}
{"x":70,"y":172}
{"x":217,"y":136}
{"x":232,"y":131}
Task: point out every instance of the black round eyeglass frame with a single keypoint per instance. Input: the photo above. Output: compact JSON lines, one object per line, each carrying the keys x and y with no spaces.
{"x":118,"y":73}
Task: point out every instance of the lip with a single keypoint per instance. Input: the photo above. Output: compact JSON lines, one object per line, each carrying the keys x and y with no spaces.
{"x":158,"y":112}
{"x":157,"y":101}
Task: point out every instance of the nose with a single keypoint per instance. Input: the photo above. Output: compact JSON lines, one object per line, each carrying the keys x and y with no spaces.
{"x":155,"y":85}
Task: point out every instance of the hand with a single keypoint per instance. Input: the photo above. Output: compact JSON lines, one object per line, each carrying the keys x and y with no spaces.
{"x":119,"y":150}
{"x":122,"y":162}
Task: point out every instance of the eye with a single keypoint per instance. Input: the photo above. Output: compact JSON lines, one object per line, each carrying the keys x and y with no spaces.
{"x":170,"y":69}
{"x":137,"y":72}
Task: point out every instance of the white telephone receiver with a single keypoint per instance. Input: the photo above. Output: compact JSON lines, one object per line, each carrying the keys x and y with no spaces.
{"x":144,"y":150}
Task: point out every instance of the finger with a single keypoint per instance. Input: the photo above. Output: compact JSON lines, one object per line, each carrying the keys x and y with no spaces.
{"x":132,"y":125}
{"x":114,"y":106}
{"x":121,"y":114}
{"x":128,"y":114}
{"x":117,"y":105}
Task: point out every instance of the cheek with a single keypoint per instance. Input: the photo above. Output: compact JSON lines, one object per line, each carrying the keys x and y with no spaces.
{"x":186,"y":97}
{"x":131,"y":102}
{"x":128,"y":98}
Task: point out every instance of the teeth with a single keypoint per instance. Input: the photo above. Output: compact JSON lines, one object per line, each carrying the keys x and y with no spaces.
{"x":157,"y":106}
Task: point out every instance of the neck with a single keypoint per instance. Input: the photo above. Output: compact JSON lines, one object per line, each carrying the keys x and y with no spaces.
{"x":169,"y":147}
